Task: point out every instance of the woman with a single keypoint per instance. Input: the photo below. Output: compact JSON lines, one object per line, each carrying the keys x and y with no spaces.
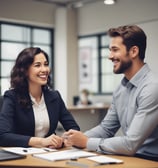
{"x":31,"y":110}
{"x":84,"y":98}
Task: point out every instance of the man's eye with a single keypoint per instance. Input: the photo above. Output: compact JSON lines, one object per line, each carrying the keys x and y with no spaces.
{"x":115,"y":49}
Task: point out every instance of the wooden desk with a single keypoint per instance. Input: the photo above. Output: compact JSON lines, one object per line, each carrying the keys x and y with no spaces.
{"x":32,"y":162}
{"x":83,"y":108}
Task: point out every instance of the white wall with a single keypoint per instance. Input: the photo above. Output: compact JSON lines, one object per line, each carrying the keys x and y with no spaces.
{"x":27,"y":11}
{"x":97,"y":17}
{"x":151,"y":29}
{"x":60,"y":60}
{"x":66,"y":74}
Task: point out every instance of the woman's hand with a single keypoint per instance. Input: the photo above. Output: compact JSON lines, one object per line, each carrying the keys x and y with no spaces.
{"x":53,"y":141}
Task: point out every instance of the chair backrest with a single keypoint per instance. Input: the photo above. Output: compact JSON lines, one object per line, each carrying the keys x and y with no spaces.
{"x":1,"y":101}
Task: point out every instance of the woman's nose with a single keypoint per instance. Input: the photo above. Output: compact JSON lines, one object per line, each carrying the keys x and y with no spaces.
{"x":44,"y":68}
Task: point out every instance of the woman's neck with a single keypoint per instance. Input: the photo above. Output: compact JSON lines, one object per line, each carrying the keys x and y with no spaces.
{"x":36,"y":93}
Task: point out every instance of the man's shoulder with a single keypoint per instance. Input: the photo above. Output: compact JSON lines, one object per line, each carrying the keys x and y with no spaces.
{"x":150,"y":80}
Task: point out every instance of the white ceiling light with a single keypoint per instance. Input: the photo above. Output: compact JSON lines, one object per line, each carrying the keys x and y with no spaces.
{"x":109,"y":2}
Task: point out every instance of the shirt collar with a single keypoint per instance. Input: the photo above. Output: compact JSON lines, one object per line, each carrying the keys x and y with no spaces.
{"x":135,"y":80}
{"x":34,"y":101}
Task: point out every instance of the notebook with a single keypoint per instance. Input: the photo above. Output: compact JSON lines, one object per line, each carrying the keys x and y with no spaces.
{"x":6,"y":155}
{"x":64,"y":155}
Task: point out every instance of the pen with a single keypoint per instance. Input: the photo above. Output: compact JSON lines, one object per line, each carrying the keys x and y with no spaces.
{"x":25,"y":150}
{"x":74,"y":159}
{"x":104,"y":163}
{"x":47,"y":149}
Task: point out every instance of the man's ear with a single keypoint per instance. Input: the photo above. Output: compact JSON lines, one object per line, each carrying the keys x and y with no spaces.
{"x":134,"y":51}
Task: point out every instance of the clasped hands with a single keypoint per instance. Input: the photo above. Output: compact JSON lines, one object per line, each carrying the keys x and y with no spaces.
{"x":75,"y":138}
{"x":69,"y":138}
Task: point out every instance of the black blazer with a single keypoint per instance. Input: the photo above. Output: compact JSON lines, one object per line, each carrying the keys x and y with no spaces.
{"x":17,"y":125}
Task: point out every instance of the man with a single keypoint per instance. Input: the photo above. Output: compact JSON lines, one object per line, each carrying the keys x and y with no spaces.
{"x":134,"y":107}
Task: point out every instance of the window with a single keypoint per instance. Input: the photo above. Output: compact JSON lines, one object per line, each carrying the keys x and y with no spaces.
{"x":88,"y":63}
{"x":13,"y":39}
{"x":95,"y":69}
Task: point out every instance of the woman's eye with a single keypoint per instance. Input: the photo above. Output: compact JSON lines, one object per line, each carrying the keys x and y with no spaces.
{"x":46,"y":64}
{"x":37,"y":65}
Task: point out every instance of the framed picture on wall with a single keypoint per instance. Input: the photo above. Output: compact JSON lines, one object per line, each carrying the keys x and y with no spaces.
{"x":85,"y":64}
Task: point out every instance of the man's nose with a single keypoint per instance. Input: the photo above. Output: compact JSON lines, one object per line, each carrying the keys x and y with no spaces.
{"x":110,"y":55}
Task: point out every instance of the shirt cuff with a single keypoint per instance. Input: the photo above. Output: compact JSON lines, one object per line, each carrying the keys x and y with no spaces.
{"x":93,"y":144}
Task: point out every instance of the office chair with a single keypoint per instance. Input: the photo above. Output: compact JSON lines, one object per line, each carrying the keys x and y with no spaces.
{"x":1,"y":101}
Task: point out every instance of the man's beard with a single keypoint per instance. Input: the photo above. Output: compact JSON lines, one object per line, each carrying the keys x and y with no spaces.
{"x":123,"y":67}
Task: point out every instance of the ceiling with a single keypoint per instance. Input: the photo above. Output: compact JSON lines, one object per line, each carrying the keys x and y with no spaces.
{"x":69,"y":3}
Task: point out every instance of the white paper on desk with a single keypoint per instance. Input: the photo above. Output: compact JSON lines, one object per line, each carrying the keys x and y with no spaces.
{"x":105,"y":159}
{"x":64,"y":155}
{"x":25,"y":151}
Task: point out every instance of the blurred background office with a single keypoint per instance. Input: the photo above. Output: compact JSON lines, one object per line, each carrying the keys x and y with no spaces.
{"x":73,"y":32}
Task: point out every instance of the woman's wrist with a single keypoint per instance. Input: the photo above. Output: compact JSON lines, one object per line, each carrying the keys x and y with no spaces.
{"x":36,"y":142}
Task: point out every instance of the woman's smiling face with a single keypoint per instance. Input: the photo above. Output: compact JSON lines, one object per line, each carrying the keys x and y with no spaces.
{"x":38,"y":71}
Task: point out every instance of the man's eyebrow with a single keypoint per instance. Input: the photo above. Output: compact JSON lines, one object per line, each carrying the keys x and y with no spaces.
{"x":113,"y":47}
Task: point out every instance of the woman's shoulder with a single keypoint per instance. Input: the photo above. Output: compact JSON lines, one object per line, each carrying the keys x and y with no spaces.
{"x":10,"y":92}
{"x":53,"y":94}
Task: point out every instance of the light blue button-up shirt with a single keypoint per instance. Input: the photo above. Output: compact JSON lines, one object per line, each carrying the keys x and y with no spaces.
{"x":134,"y":108}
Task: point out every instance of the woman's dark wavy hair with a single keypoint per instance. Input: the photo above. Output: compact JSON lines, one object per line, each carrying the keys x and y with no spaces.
{"x":19,"y":78}
{"x":132,"y":35}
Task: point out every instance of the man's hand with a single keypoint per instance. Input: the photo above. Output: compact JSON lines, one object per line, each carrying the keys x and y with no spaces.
{"x":75,"y":138}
